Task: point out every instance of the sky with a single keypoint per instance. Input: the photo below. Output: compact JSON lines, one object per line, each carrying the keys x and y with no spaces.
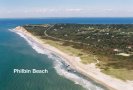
{"x":65,"y":8}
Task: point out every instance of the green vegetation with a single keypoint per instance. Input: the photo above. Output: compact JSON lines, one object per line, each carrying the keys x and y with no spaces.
{"x":120,"y":73}
{"x":112,"y":44}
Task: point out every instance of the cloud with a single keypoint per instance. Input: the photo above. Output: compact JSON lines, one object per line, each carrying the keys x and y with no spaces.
{"x":64,"y":12}
{"x":74,"y":10}
{"x":108,"y":9}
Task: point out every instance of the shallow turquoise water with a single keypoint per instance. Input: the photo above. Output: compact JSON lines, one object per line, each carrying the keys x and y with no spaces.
{"x":15,"y":53}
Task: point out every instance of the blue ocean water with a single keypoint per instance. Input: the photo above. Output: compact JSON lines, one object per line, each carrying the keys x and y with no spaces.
{"x":16,"y":53}
{"x":70,"y":20}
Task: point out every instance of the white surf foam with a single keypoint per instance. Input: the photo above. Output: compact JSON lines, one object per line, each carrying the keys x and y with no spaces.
{"x":59,"y":66}
{"x":77,"y":79}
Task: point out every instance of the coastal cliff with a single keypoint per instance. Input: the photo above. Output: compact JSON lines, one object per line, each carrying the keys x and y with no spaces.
{"x":89,"y":70}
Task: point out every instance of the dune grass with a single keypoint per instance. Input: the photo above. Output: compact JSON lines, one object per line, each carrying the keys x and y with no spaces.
{"x":122,"y":74}
{"x":86,"y":58}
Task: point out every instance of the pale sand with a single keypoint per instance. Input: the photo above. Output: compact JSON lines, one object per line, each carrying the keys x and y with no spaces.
{"x":124,"y":54}
{"x":89,"y":70}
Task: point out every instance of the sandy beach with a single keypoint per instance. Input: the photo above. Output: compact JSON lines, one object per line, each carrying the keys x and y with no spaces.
{"x":89,"y":70}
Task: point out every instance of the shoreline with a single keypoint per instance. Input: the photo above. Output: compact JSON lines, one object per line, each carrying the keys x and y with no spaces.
{"x":89,"y":70}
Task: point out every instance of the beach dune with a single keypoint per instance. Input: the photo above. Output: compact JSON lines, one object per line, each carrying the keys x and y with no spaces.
{"x":90,"y":70}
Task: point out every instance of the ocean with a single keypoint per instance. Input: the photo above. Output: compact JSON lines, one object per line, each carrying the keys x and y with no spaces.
{"x":18,"y":53}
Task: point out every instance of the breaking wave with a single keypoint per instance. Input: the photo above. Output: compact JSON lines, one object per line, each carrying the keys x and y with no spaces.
{"x":61,"y":66}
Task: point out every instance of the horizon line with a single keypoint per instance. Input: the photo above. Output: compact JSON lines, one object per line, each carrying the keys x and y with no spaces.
{"x":55,"y":17}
